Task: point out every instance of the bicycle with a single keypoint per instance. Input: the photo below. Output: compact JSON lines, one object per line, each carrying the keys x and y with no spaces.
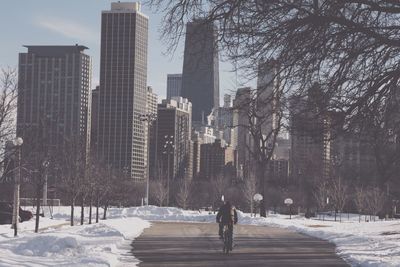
{"x":227,"y":239}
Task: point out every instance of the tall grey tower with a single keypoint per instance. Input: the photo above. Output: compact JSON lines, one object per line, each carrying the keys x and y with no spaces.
{"x":174,"y":85}
{"x":123,"y":88}
{"x":200,"y":76}
{"x":54,"y":97}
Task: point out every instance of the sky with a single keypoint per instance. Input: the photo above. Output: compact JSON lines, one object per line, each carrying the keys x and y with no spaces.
{"x":60,"y":22}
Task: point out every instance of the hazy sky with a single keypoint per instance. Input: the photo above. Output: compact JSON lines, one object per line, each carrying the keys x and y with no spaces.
{"x":56,"y":22}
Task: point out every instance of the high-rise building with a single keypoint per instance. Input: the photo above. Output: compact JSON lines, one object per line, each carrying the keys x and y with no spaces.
{"x":54,"y":97}
{"x":200,"y":75}
{"x":151,"y":101}
{"x":197,"y":141}
{"x":241,"y":139}
{"x":212,"y":160}
{"x":225,"y":119}
{"x":151,"y":135}
{"x":94,"y":119}
{"x":173,"y":140}
{"x":174,"y":126}
{"x":268,"y":86}
{"x":309,"y":138}
{"x":123,"y":88}
{"x":174,"y":85}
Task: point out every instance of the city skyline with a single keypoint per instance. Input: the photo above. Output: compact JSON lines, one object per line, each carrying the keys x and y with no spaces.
{"x":46,"y":22}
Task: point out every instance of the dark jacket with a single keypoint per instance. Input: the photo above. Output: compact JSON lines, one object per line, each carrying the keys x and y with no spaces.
{"x":227,"y":214}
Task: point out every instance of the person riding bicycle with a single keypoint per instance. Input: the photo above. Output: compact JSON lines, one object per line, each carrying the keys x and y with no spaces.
{"x":226,"y":215}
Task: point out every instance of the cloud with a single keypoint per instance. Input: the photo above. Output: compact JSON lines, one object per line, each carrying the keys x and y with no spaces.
{"x":68,"y":28}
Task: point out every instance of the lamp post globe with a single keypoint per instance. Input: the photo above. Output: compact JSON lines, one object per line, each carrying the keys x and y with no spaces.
{"x":18,"y":141}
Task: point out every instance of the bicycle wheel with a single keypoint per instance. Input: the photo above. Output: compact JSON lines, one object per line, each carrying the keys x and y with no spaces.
{"x":226,"y":241}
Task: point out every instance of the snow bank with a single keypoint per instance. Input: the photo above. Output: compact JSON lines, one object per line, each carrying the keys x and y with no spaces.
{"x":360,"y":244}
{"x":107,"y":243}
{"x":154,"y":213}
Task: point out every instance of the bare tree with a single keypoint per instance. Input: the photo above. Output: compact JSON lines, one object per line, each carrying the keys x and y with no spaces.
{"x":338,"y":194}
{"x":36,"y":162}
{"x":8,"y":106}
{"x":159,"y":191}
{"x":361,"y":201}
{"x":92,"y":179}
{"x":72,"y":166}
{"x":219,"y":187}
{"x":249,"y":190}
{"x":325,"y":41}
{"x":375,"y":200}
{"x":351,"y":48}
{"x":184,"y":190}
{"x":321,"y":193}
{"x":8,"y":102}
{"x":109,"y":183}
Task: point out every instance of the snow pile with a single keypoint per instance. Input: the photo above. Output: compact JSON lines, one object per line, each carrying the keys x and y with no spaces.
{"x":361,"y":244}
{"x":47,"y":245}
{"x":154,"y":213}
{"x":107,"y":243}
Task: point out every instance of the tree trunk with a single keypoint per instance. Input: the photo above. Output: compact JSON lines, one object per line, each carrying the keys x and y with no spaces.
{"x":72,"y":211}
{"x":105,"y":211}
{"x":38,"y":193}
{"x":82,"y":209}
{"x":90,"y":208}
{"x":263,"y":212}
{"x":97,"y":209}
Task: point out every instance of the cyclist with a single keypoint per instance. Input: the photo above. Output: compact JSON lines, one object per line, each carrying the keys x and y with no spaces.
{"x":226,"y":215}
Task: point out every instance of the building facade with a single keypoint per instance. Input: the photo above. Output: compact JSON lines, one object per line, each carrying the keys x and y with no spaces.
{"x":173,"y":138}
{"x":123,"y":89}
{"x":151,"y":135}
{"x":54,"y":97}
{"x":268,"y":86}
{"x":212,"y":160}
{"x":200,"y":75}
{"x":174,"y":85}
{"x":94,"y":120}
{"x":241,"y":139}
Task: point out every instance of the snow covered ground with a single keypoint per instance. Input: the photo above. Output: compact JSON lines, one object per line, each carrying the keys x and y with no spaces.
{"x":360,"y":244}
{"x":108,"y":243}
{"x":105,"y":244}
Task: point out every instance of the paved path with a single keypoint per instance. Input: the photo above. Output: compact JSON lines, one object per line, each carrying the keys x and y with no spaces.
{"x":197,"y":244}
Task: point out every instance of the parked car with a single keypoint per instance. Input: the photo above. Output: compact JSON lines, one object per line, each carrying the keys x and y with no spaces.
{"x":6,"y":212}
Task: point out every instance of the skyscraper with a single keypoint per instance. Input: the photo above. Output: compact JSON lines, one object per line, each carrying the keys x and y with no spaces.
{"x":173,"y":140}
{"x":151,"y":110}
{"x":212,"y":160}
{"x":123,"y":88}
{"x":200,"y":76}
{"x":174,"y":85}
{"x":94,"y":119}
{"x":54,"y":97}
{"x":268,"y":86}
{"x":241,"y":138}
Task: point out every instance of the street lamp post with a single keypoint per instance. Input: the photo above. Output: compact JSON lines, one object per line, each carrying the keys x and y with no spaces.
{"x":337,"y":161}
{"x":17,"y":182}
{"x":148,"y":118}
{"x":45,"y":165}
{"x":168,"y":150}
